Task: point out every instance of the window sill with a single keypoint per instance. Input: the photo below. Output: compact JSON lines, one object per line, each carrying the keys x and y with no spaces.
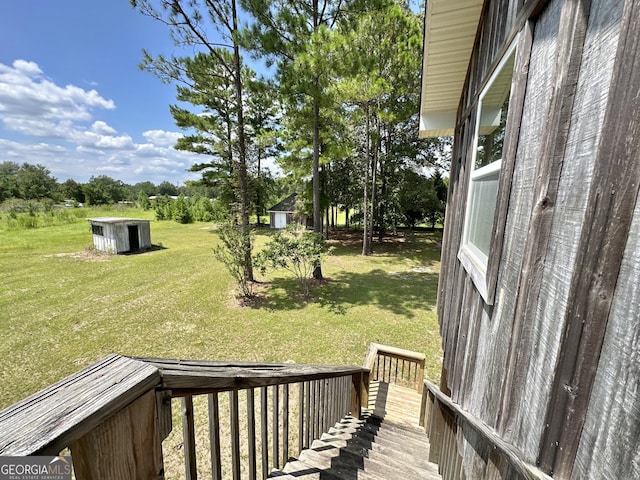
{"x":477,"y":271}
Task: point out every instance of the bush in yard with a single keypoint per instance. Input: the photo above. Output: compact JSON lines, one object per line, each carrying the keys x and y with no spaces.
{"x":232,"y":253}
{"x":182,"y":210}
{"x":296,"y":251}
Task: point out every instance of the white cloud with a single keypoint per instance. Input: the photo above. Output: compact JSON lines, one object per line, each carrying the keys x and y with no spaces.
{"x":33,"y":105}
{"x":101,"y":128}
{"x":161,"y":137}
{"x":77,"y":144}
{"x":120,"y":142}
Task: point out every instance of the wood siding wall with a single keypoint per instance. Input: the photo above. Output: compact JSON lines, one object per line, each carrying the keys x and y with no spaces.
{"x":526,"y":365}
{"x":115,"y":238}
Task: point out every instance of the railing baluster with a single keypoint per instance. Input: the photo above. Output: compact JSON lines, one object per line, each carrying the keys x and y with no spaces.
{"x":345,"y":391}
{"x":384,"y":368}
{"x":189,"y":436}
{"x":301,"y":416}
{"x":307,"y":414}
{"x":235,"y":434}
{"x":275,"y":428}
{"x":251,"y":432}
{"x":396,"y":377}
{"x":214,"y":436}
{"x":312,"y":414}
{"x":412,"y":374}
{"x":285,"y":423}
{"x":323,"y":407}
{"x":332,"y":401}
{"x":264,"y":432}
{"x":316,"y":430}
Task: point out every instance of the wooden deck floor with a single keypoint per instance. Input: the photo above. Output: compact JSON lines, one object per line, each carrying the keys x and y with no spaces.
{"x":395,"y":403}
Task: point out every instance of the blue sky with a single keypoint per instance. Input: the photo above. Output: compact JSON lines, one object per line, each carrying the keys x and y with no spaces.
{"x":72,"y":98}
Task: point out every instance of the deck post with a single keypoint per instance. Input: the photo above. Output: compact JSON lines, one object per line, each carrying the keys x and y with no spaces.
{"x":435,"y":433}
{"x":126,"y":445}
{"x":357,"y":394}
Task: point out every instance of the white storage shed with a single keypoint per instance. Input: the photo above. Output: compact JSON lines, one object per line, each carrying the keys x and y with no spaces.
{"x":120,"y":235}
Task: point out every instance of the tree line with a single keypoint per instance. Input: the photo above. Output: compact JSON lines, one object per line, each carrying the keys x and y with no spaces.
{"x":421,"y":199}
{"x":35,"y":183}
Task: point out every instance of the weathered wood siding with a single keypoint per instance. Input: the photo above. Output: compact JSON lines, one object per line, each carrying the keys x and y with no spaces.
{"x":614,"y":412}
{"x":513,"y":363}
{"x":115,"y":238}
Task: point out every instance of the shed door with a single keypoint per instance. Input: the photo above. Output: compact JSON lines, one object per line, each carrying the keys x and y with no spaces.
{"x":281,"y":220}
{"x":134,"y":239}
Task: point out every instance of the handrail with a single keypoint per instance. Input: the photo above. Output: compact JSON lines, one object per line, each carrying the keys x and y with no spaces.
{"x":197,"y":376}
{"x":398,"y":365}
{"x":105,"y":397}
{"x":53,"y":418}
{"x":438,"y":400}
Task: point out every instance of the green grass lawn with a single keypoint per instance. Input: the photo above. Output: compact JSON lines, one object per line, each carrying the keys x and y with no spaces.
{"x":63,"y":306}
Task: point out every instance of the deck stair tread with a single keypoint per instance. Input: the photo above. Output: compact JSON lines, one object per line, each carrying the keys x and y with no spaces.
{"x":385,"y":444}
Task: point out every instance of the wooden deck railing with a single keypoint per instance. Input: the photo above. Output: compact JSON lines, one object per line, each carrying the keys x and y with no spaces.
{"x":395,"y":365}
{"x":445,"y":421}
{"x":114,"y":415}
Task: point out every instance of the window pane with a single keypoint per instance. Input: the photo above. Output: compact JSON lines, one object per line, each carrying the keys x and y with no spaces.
{"x":484,"y":192}
{"x":490,"y":145}
{"x":494,"y":106}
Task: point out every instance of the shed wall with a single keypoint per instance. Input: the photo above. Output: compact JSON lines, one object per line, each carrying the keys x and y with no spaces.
{"x":116,"y":236}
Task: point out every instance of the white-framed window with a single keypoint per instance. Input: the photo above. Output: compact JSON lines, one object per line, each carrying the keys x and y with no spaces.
{"x":484,"y":174}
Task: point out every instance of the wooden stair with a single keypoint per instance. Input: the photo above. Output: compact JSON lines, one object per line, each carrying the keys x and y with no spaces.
{"x":385,"y":444}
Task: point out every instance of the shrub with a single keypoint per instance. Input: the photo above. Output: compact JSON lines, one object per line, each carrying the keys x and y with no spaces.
{"x":296,"y":251}
{"x":232,"y":253}
{"x":181,"y":210}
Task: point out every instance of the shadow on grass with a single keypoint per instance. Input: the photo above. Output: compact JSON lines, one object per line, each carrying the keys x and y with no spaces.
{"x":401,"y":293}
{"x":152,"y":248}
{"x":423,"y":246}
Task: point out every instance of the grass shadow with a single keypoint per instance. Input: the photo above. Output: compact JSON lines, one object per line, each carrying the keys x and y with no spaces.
{"x":421,"y":246}
{"x":401,"y":293}
{"x":282,"y":294}
{"x":152,"y":248}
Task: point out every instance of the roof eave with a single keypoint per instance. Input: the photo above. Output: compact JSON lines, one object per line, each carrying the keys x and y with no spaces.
{"x":450,"y":31}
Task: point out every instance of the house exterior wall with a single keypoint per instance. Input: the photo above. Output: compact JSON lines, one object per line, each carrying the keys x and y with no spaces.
{"x":526,"y":359}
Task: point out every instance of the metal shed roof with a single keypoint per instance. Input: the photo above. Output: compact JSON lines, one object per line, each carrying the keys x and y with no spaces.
{"x":450,"y":31}
{"x":116,"y":220}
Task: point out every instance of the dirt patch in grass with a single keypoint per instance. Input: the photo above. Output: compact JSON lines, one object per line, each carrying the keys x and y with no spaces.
{"x":88,"y":255}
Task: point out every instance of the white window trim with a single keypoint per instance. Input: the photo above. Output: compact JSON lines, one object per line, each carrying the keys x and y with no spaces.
{"x":473,"y":260}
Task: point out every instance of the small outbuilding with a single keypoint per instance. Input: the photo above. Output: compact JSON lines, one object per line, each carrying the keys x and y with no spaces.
{"x":282,"y":213}
{"x":120,"y":235}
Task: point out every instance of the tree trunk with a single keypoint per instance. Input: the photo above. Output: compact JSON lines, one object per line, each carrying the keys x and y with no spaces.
{"x":242,"y":153}
{"x":383,"y":187}
{"x":366,"y":245}
{"x":374,"y":177}
{"x":258,"y":205}
{"x":346,"y":217}
{"x":317,"y":212}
